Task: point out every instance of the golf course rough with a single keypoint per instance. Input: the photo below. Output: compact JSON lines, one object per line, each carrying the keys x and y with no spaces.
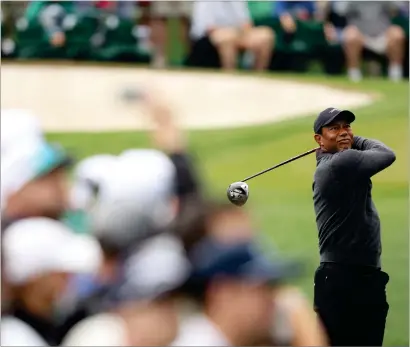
{"x":95,"y":98}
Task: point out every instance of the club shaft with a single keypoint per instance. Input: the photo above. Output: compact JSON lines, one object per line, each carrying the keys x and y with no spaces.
{"x":280,"y":164}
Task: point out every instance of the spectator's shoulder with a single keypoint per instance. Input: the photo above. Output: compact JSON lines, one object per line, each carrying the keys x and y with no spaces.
{"x":15,"y":332}
{"x":102,"y":329}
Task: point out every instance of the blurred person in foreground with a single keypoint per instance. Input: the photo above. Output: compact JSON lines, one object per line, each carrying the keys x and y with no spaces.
{"x":126,"y":205}
{"x":168,"y":137}
{"x":34,"y":179}
{"x":293,"y":322}
{"x":360,"y":25}
{"x":140,"y":196}
{"x":139,"y":309}
{"x":232,"y":283}
{"x":228,"y":26}
{"x":40,"y":255}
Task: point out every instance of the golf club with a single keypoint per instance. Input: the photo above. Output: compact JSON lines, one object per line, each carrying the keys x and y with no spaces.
{"x":238,"y":192}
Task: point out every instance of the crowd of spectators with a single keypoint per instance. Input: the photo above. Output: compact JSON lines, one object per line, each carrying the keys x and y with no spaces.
{"x":276,"y":35}
{"x":156,"y":262}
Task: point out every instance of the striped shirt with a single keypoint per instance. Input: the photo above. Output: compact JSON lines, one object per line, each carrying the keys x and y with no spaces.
{"x":208,"y":14}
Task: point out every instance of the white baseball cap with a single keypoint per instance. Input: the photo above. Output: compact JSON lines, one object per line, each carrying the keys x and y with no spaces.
{"x":154,"y":168}
{"x":158,"y":266}
{"x":36,"y":246}
{"x":89,"y":172}
{"x":25,"y":154}
{"x":18,"y":125}
{"x":135,"y":194}
{"x":20,"y":135}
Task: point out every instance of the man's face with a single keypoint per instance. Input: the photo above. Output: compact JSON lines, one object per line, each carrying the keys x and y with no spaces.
{"x":45,"y":196}
{"x":143,"y":320}
{"x":45,"y":290}
{"x":249,"y":306}
{"x":231,"y":227}
{"x":335,"y":137}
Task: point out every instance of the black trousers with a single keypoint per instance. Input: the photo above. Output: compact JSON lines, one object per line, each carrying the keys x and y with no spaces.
{"x":351,"y":303}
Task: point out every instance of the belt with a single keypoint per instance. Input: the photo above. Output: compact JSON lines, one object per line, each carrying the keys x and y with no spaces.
{"x":350,"y":258}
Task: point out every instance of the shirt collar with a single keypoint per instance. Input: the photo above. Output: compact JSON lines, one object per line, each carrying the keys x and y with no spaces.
{"x":321,"y":154}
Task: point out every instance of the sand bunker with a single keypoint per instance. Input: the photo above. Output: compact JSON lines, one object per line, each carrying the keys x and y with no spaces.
{"x":82,"y":98}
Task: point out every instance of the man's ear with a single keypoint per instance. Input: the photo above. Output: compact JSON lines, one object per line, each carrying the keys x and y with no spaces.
{"x":318,"y":139}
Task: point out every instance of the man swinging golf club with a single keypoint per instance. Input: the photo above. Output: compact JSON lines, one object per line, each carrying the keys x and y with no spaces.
{"x":350,"y":288}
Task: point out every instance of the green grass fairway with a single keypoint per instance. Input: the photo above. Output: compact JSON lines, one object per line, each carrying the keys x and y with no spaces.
{"x":281,"y":201}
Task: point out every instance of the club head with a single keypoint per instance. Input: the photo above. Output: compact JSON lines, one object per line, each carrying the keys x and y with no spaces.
{"x":238,"y":193}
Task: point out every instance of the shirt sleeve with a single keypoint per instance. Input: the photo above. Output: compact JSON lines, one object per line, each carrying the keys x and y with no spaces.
{"x":365,"y":159}
{"x":203,"y":17}
{"x":187,"y":182}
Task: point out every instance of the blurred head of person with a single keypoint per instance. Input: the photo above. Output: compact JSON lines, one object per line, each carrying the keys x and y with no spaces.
{"x":33,"y":171}
{"x":128,"y":198}
{"x":233,"y":282}
{"x":221,"y":221}
{"x":40,"y":254}
{"x":140,"y":307}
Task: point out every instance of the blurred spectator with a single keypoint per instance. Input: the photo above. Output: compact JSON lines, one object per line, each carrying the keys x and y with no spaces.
{"x":139,"y":308}
{"x":10,"y":12}
{"x":293,"y":321}
{"x":85,"y":291}
{"x":168,"y":137}
{"x":290,"y":11}
{"x":220,"y":220}
{"x":232,"y":284}
{"x":51,"y":15}
{"x":125,"y":205}
{"x":368,"y":26}
{"x":40,"y":254}
{"x":117,"y":218}
{"x":227,"y":25}
{"x":34,"y":179}
{"x":160,"y":13}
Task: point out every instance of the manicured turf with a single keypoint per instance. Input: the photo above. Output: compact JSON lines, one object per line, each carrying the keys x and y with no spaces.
{"x":281,"y":201}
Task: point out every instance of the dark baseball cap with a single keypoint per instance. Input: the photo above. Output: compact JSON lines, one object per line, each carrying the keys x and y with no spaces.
{"x":329,"y":115}
{"x":245,"y":260}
